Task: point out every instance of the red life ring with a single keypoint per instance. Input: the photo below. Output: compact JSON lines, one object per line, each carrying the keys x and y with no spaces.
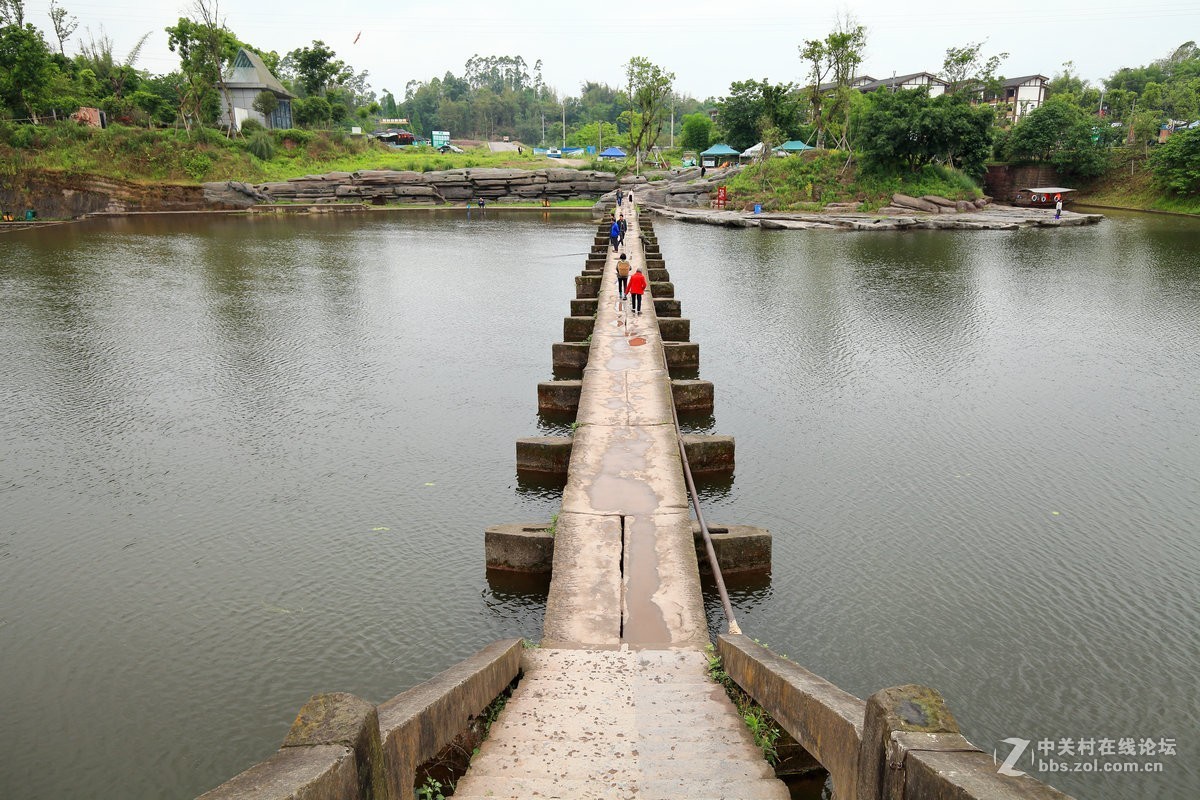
{"x":1057,"y":197}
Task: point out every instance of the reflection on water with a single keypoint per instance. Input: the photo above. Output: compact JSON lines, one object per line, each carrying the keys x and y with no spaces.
{"x":978,"y":455}
{"x":243,"y":460}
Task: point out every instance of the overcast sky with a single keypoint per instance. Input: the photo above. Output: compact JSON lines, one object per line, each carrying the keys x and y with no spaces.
{"x":706,"y":44}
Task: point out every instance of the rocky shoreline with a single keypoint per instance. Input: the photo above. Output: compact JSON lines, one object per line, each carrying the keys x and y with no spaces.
{"x":993,"y":217}
{"x":681,"y":195}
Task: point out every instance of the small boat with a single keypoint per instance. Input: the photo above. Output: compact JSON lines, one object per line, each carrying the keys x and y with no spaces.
{"x":554,"y":152}
{"x":1042,"y":196}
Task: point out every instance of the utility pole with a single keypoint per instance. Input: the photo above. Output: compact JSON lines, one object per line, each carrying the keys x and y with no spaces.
{"x":672,"y":126}
{"x":564,"y":144}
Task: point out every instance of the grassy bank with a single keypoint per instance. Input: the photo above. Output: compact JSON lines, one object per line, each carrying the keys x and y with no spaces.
{"x":176,"y":156}
{"x":1129,"y":184}
{"x":810,"y":181}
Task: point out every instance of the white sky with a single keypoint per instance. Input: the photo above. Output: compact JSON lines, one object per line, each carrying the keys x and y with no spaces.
{"x":706,"y":44}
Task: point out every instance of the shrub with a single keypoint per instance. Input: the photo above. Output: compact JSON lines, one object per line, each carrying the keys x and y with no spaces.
{"x":261,"y":145}
{"x":297,"y":137}
{"x":197,"y":164}
{"x":252,"y":126}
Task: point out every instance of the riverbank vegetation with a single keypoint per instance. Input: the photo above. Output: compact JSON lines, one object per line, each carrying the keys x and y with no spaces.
{"x":168,"y":127}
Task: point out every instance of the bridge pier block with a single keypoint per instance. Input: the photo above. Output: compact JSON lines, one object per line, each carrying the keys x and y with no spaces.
{"x":658,"y":276}
{"x":519,"y":548}
{"x":693,"y":396}
{"x":578,"y":329}
{"x":662,"y":289}
{"x":587,"y":286}
{"x":559,"y":396}
{"x":709,"y":453}
{"x":547,"y":454}
{"x":667,"y":307}
{"x":573,"y":355}
{"x":675,"y":329}
{"x":584,"y":308}
{"x":681,"y":355}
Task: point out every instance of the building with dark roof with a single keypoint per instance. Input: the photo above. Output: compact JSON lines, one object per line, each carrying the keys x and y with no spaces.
{"x":245,"y":80}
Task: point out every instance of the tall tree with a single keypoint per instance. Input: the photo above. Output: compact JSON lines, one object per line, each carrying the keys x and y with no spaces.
{"x":314,"y":67}
{"x":26,"y":69}
{"x":967,"y":71}
{"x":697,"y":132}
{"x":12,"y":12}
{"x":204,"y":47}
{"x":64,"y":25}
{"x":649,"y":87}
{"x":838,"y":55}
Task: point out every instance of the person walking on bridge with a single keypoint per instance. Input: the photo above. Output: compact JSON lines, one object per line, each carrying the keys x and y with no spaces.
{"x":614,"y":234}
{"x":623,"y":268}
{"x":637,"y":286}
{"x":624,"y":226}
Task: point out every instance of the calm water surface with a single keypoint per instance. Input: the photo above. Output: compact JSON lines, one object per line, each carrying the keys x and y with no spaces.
{"x":245,"y":460}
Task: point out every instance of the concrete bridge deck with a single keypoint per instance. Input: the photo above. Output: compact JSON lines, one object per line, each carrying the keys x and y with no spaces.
{"x":617,"y":702}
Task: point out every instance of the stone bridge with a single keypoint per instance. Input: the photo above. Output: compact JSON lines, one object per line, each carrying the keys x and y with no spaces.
{"x":619,"y":699}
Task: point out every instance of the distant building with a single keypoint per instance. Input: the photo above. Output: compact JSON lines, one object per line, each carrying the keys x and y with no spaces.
{"x":1023,"y":95}
{"x":245,"y":80}
{"x":917,"y":80}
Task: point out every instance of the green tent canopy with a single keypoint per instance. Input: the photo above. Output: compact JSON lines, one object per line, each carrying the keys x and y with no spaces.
{"x":794,"y":146}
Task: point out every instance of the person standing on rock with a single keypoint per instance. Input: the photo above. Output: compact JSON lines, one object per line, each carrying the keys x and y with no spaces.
{"x":637,"y":286}
{"x":614,"y":234}
{"x":624,"y":226}
{"x":623,"y":268}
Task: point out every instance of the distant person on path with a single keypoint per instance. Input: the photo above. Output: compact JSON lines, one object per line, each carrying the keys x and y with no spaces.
{"x":623,"y":268}
{"x":1057,"y":206}
{"x":482,"y":203}
{"x":637,"y":286}
{"x":614,"y":234}
{"x":624,"y":226}
{"x":620,"y":197}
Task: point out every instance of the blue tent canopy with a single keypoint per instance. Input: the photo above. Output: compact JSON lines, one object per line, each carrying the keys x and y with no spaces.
{"x":613,"y":152}
{"x":720,"y":150}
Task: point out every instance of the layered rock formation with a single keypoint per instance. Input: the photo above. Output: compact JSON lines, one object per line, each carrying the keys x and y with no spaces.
{"x":446,"y":186}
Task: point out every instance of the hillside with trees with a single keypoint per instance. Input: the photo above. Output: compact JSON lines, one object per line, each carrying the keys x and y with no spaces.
{"x":1084,"y":131}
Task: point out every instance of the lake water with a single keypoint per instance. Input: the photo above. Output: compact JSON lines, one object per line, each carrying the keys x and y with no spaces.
{"x":243,"y":460}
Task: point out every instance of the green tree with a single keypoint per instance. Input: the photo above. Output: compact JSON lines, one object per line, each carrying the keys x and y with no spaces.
{"x":697,"y":132}
{"x":649,"y":87}
{"x":312,"y":111}
{"x":965,"y":69}
{"x":838,"y":55}
{"x":12,"y":12}
{"x":1176,"y":164}
{"x":314,"y":67}
{"x":26,"y":69}
{"x":204,"y":47}
{"x":1060,"y":133}
{"x":266,"y":103}
{"x":909,"y":129}
{"x":64,"y":25}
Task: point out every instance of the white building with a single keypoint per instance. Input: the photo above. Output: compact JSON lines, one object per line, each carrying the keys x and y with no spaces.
{"x":1023,"y":95}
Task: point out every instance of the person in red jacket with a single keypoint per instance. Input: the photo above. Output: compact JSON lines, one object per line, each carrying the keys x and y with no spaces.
{"x":637,"y":285}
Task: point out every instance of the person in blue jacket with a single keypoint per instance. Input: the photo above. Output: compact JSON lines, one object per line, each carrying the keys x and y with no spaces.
{"x":614,"y":234}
